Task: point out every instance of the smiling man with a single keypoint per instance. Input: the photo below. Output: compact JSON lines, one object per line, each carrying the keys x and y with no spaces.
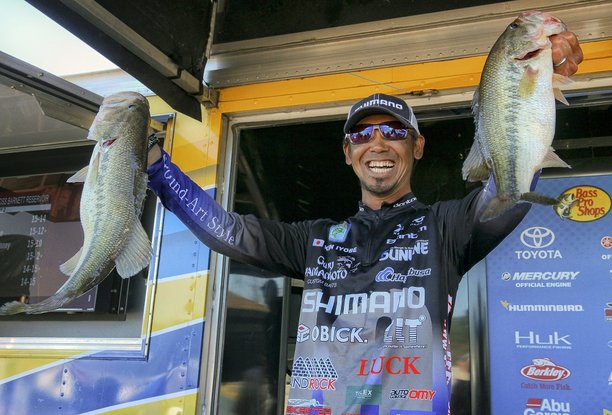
{"x":379,"y":287}
{"x":383,"y":162}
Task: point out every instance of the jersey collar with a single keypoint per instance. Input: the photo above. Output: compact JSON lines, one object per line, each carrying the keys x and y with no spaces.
{"x":409,"y":200}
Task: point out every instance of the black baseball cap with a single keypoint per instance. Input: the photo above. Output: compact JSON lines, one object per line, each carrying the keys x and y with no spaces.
{"x":381,"y":103}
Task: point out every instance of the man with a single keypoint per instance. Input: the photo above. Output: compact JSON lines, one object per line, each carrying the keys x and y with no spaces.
{"x":378,"y":287}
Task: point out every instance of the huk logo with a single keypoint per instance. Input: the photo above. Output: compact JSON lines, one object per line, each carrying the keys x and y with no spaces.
{"x":338,"y":233}
{"x":533,"y":340}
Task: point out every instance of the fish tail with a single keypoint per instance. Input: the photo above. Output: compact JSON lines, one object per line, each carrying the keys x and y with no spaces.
{"x":496,"y":207}
{"x":541,"y":199}
{"x":14,"y":307}
{"x":48,"y":304}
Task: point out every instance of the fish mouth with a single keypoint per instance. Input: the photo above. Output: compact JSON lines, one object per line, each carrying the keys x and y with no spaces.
{"x":529,"y":55}
{"x":107,"y":143}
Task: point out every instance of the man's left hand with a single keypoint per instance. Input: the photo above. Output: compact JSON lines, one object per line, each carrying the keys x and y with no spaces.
{"x":566,"y":53}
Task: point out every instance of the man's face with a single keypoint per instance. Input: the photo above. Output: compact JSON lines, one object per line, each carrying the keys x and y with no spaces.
{"x":383,"y":167}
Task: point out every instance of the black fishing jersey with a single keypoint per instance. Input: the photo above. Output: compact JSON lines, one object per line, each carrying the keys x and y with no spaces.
{"x":379,"y":289}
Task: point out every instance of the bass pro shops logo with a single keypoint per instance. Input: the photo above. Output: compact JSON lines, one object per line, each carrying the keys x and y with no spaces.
{"x":583,"y":204}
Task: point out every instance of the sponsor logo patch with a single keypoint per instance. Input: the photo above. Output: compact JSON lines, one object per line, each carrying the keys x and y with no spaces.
{"x":338,"y":233}
{"x":330,"y":334}
{"x":390,"y":365}
{"x":364,"y":395}
{"x":312,"y":373}
{"x":413,"y":394}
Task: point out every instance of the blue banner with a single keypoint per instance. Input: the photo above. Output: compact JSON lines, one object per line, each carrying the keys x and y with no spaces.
{"x":549,"y":295}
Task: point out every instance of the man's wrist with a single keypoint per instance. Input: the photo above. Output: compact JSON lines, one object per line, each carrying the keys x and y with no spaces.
{"x":154,"y":152}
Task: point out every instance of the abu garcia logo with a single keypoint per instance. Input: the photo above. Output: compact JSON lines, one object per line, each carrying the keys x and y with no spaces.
{"x":537,"y":238}
{"x":538,"y":406}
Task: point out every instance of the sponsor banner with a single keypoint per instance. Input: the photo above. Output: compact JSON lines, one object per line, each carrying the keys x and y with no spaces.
{"x":549,"y":304}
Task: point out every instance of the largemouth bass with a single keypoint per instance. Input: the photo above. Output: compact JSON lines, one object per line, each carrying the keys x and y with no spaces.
{"x":115,"y":183}
{"x":514,"y":113}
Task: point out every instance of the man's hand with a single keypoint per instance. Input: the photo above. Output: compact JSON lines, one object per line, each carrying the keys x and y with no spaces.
{"x":566,"y":53}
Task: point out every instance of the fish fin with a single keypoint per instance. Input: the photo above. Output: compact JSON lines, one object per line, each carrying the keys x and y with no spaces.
{"x":553,"y":160}
{"x":528,"y":82}
{"x":69,"y":266}
{"x":79,"y":176}
{"x":136,"y":253}
{"x":558,"y":81}
{"x":475,"y":167}
{"x":14,"y":307}
{"x":475,"y":102}
{"x":541,"y":199}
{"x":497,"y":206}
{"x":559,"y":96}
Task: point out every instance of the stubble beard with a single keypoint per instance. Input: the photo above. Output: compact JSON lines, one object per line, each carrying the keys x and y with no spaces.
{"x":378,"y":188}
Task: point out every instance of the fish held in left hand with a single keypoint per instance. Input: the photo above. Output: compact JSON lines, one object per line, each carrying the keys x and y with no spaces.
{"x":115,"y":184}
{"x":514,"y":113}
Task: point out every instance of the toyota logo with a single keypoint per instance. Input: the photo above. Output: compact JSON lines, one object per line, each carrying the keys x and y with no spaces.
{"x":537,"y":237}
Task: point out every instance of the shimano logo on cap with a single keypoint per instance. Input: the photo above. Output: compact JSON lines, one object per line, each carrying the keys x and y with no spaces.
{"x":380,"y":102}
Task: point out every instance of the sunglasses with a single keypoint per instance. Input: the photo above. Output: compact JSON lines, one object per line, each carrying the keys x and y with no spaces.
{"x":391,"y":130}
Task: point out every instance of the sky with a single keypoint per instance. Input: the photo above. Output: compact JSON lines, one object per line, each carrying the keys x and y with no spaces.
{"x":31,"y":36}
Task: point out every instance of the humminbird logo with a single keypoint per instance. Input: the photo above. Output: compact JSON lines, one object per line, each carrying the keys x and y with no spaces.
{"x":361,"y":303}
{"x":542,"y":307}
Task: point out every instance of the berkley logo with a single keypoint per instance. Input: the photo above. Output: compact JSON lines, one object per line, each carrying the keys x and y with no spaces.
{"x":583,"y":203}
{"x":544,"y":370}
